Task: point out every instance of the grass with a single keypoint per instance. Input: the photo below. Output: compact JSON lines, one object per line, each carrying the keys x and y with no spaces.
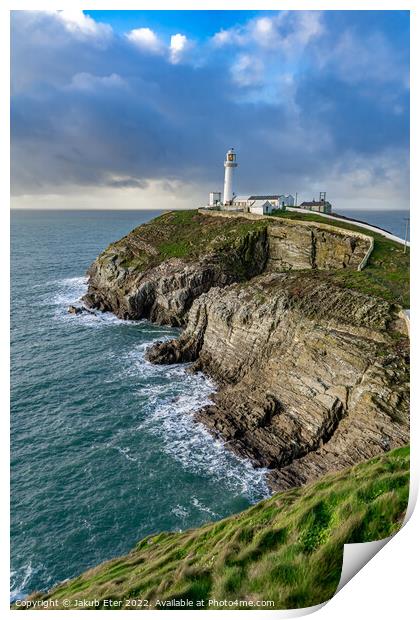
{"x":386,"y":274}
{"x":187,"y":235}
{"x":287,"y":549}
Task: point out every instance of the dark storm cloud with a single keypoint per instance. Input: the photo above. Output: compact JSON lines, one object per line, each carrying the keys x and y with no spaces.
{"x":128,"y":183}
{"x":91,"y":108}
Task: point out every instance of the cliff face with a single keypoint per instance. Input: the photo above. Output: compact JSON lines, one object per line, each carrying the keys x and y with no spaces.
{"x":294,"y":244}
{"x":312,"y":377}
{"x":299,"y":246}
{"x":158,"y":270}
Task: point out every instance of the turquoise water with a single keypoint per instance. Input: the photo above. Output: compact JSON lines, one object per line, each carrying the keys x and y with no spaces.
{"x":104,"y":449}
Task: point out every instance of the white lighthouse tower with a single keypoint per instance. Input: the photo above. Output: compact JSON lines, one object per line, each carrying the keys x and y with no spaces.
{"x":230,"y":164}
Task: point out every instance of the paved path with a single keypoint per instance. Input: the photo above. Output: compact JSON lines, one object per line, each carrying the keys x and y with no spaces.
{"x":384,"y":233}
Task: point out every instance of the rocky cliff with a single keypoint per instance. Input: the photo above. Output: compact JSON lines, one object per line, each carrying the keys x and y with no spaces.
{"x":158,"y":270}
{"x":313,"y":375}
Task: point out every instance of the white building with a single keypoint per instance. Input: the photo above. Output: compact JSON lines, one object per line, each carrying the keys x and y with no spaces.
{"x":262,"y":204}
{"x":215,"y":199}
{"x":261,"y":207}
{"x":320,"y":206}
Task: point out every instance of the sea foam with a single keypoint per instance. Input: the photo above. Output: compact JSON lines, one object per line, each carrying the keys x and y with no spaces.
{"x":69,"y":291}
{"x":170,"y":409}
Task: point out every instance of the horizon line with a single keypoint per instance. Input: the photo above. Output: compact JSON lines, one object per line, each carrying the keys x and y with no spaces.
{"x":173,"y":209}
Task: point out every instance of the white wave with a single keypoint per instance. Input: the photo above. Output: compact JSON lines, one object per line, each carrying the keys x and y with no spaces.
{"x":180,"y":511}
{"x":170,"y":406}
{"x":137,"y":366}
{"x":125,"y":453}
{"x":69,"y":291}
{"x":159,"y":328}
{"x":195,"y":502}
{"x":19,"y":579}
{"x":171,"y":397}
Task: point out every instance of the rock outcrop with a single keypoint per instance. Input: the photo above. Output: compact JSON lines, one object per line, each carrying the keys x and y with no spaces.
{"x":158,"y":270}
{"x":295,"y":244}
{"x":303,"y":246}
{"x":134,"y":280}
{"x":313,"y":378}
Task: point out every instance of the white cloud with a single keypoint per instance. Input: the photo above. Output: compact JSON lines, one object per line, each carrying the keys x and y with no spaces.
{"x":289,"y":31}
{"x":269,"y":47}
{"x":308,"y":26}
{"x":264,"y":25}
{"x":81,"y":25}
{"x":146,"y":39}
{"x":179,"y":44}
{"x":232,"y":36}
{"x":358,"y":59}
{"x":221,"y":38}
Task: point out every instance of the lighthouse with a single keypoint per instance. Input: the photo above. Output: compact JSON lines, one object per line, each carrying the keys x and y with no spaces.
{"x":230,"y":164}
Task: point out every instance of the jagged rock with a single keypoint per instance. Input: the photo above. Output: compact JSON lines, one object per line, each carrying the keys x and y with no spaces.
{"x":312,"y":378}
{"x":74,"y":310}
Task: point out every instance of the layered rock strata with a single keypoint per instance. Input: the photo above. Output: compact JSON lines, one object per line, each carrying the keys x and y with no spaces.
{"x":312,"y":377}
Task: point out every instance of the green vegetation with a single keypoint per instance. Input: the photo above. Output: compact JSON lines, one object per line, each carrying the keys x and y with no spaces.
{"x":187,"y":235}
{"x":386,"y":274}
{"x":287,"y":549}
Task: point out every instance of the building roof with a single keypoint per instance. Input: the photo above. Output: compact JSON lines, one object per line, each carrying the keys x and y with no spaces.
{"x":272,"y":197}
{"x":240,"y":198}
{"x":265,"y":197}
{"x":260,"y":203}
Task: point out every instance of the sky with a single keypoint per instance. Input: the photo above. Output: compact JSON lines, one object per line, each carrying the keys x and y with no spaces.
{"x":136,"y":109}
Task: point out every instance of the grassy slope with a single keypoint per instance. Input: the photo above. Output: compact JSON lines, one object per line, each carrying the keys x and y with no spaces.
{"x":387,"y":273}
{"x":181,"y":234}
{"x":287,"y":549}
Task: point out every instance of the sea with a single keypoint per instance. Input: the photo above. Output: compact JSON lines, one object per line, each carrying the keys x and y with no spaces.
{"x":104,"y":447}
{"x":394,"y":222}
